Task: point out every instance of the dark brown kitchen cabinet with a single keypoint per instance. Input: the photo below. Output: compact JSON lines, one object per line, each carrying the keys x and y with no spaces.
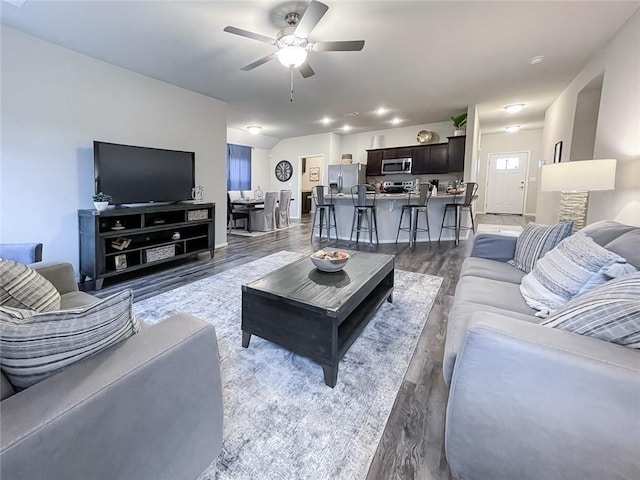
{"x":374,"y":162}
{"x":456,"y":153}
{"x":438,"y":158}
{"x":420,"y":162}
{"x":429,"y":159}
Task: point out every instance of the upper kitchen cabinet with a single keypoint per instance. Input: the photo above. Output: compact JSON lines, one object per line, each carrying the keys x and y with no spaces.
{"x":374,"y":162}
{"x":426,"y":159}
{"x":456,"y":153}
{"x":429,"y":159}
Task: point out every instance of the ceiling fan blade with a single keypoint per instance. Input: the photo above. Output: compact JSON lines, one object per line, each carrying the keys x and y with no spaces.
{"x":306,"y":70}
{"x":346,"y":46}
{"x":257,"y":63}
{"x":248,"y":34}
{"x":315,"y":11}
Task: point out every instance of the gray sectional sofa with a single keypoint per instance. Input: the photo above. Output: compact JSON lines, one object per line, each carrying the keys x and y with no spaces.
{"x":149,"y":407}
{"x":531,"y":402}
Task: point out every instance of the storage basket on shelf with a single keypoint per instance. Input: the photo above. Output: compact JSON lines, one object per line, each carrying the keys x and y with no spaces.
{"x":197,"y":215}
{"x":159,"y":253}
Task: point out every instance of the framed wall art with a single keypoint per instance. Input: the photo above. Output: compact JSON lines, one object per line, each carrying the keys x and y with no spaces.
{"x":314,"y":174}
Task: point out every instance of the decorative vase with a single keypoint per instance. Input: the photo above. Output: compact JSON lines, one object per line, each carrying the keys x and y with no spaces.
{"x":458,"y":133}
{"x":100,"y":206}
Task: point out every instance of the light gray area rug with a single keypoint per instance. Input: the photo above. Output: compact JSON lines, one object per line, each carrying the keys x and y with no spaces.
{"x":243,"y":232}
{"x":281,"y":421}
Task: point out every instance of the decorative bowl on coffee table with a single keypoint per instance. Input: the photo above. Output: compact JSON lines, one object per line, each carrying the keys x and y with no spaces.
{"x":330,"y":261}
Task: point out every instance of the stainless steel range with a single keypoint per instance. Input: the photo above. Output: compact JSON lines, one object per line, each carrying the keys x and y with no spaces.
{"x":397,"y":187}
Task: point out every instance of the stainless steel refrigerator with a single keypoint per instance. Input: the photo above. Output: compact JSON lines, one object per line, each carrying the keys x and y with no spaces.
{"x":343,"y":177}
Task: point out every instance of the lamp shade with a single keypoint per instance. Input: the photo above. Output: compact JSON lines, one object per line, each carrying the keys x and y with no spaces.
{"x":583,"y":175}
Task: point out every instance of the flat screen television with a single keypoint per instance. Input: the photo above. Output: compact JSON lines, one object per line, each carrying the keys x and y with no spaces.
{"x":136,"y":175}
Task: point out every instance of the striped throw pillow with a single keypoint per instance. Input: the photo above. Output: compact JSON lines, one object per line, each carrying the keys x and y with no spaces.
{"x":34,"y":346}
{"x":23,"y":287}
{"x":536,"y":240}
{"x":610,"y":312}
{"x":575,"y":266}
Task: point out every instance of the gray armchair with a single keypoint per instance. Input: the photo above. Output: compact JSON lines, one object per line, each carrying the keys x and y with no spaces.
{"x":148,"y":407}
{"x":21,"y":252}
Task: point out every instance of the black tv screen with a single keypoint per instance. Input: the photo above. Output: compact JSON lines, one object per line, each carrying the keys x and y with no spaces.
{"x":141,"y":175}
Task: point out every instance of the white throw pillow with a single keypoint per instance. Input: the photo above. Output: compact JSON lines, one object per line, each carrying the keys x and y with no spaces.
{"x":576,"y":265}
{"x":36,"y":345}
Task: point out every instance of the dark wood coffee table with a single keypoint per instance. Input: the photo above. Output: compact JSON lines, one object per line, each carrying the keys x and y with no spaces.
{"x":317,"y":314}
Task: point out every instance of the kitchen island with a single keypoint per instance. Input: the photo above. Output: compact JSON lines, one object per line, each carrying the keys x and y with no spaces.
{"x":389,"y":208}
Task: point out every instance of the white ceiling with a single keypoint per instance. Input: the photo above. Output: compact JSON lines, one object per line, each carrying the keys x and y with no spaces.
{"x":424,"y":60}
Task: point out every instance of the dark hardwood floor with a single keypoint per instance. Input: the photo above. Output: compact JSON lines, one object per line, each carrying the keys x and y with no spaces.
{"x":412,"y":445}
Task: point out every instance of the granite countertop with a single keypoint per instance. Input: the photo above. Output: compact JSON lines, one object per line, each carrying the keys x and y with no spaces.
{"x":394,"y":196}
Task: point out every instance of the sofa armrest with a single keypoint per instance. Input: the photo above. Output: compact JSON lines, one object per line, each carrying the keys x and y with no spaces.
{"x":149,"y":407}
{"x":21,"y":252}
{"x":59,"y":273}
{"x":494,"y":247}
{"x":532,"y":402}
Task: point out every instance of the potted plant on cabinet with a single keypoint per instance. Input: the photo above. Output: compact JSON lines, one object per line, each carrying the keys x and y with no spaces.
{"x":459,"y":124}
{"x":101,"y":201}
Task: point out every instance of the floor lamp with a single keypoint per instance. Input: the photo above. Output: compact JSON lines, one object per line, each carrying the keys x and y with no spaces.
{"x":575,"y":180}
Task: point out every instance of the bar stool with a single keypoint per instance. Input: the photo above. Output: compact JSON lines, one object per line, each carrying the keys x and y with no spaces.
{"x":323,"y":204}
{"x":363,"y":207}
{"x":414,"y":209}
{"x":470,"y":190}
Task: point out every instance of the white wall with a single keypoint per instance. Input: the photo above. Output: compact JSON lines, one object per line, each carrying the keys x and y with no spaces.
{"x":471,"y":149}
{"x":618,"y":132}
{"x":260,"y":169}
{"x":55,"y":103}
{"x":618,"y":129}
{"x":293,"y":149}
{"x":311,"y":162}
{"x":520,"y":141}
{"x":585,"y":123}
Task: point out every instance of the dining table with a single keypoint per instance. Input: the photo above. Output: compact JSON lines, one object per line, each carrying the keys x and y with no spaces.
{"x":250,"y":204}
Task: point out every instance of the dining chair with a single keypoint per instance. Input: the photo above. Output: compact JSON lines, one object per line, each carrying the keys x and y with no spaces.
{"x":283,"y":215}
{"x":264,"y":219}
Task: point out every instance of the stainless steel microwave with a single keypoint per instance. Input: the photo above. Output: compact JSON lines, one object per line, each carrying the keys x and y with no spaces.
{"x":397,"y":165}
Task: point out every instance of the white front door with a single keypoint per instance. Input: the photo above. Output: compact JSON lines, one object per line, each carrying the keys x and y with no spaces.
{"x":506,"y":179}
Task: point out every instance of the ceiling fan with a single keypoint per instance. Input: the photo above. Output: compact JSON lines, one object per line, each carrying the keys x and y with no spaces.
{"x":293,"y":41}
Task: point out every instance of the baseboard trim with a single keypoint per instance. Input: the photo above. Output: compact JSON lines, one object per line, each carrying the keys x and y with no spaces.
{"x":221,"y":245}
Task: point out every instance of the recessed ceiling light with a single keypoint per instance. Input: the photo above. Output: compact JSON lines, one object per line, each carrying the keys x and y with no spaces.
{"x":512,"y":128}
{"x":326,"y":120}
{"x":382,"y":111}
{"x":254,"y":129}
{"x":395,"y":121}
{"x":536,"y":60}
{"x":516,"y":107}
{"x":346,"y":128}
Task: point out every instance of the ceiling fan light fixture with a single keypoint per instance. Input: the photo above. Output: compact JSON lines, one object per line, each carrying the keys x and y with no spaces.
{"x":292,"y":56}
{"x":254,"y":129}
{"x":514,"y":108}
